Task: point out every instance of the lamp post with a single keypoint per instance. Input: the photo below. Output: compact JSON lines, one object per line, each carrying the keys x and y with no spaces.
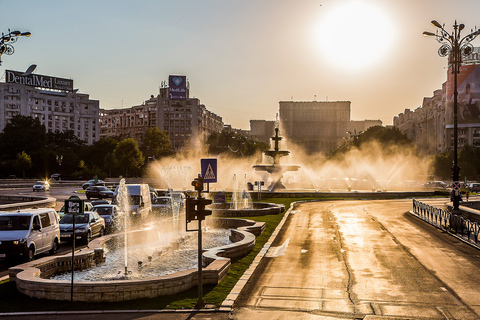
{"x":7,"y":39}
{"x":454,"y":46}
{"x":59,"y":159}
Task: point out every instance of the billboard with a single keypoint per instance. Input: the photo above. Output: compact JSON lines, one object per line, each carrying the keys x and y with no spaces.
{"x":38,"y":80}
{"x":468,"y":87}
{"x":177,"y":87}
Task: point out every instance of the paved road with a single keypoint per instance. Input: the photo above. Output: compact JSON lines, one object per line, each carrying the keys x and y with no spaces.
{"x":354,"y":258}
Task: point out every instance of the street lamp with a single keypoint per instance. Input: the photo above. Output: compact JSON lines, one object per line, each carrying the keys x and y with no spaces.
{"x":7,"y":39}
{"x":455,"y":47}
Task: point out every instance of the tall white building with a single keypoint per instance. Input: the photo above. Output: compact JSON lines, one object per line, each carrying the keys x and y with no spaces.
{"x":58,"y":107}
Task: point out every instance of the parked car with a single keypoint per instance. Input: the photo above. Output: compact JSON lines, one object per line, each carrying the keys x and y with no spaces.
{"x":162,"y":205}
{"x":99,"y":192}
{"x":28,"y":232}
{"x":91,"y":183}
{"x":41,"y":186}
{"x":87,"y":226}
{"x":87,"y":206}
{"x":110,"y":213}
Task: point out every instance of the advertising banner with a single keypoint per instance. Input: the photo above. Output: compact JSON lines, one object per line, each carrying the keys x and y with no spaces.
{"x":38,"y":80}
{"x":177,"y":87}
{"x":468,"y":101}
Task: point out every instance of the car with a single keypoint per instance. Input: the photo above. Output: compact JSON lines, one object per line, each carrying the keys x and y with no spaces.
{"x":41,"y":186}
{"x":99,"y":202}
{"x":92,"y":182}
{"x":162,"y":205}
{"x":110,"y":213}
{"x":435,"y":185}
{"x":474,"y":187}
{"x":87,"y":206}
{"x":87,"y":226}
{"x":99,"y":192}
{"x":178,"y":198}
{"x":55,"y":176}
{"x":28,"y":232}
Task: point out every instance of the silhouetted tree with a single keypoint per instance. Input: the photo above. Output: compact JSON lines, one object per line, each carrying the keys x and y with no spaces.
{"x":24,"y":162}
{"x":156,"y":144}
{"x":128,"y":155}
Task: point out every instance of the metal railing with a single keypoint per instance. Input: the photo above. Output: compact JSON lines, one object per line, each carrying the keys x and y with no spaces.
{"x":447,"y":221}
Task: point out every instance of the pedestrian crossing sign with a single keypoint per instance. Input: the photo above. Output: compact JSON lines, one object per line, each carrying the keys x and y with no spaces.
{"x":209,"y":170}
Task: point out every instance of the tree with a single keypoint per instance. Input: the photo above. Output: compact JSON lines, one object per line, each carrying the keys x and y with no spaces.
{"x":27,"y":134}
{"x":94,"y":155}
{"x":391,"y":140}
{"x":233,"y":144}
{"x":24,"y":162}
{"x":128,"y":155}
{"x":156,"y":144}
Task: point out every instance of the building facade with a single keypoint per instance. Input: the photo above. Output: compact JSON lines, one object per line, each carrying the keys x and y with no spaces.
{"x":187,"y":122}
{"x":317,"y":126}
{"x":262,"y":130}
{"x":129,"y":122}
{"x":58,"y":110}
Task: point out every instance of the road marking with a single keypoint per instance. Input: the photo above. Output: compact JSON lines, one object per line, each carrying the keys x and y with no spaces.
{"x":274,"y":252}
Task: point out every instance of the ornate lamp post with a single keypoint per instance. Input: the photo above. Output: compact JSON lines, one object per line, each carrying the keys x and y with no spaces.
{"x":454,"y":46}
{"x":7,"y":39}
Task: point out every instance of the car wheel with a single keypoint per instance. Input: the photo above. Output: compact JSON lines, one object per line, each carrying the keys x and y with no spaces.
{"x":54,"y":247}
{"x":102,"y":232}
{"x":30,"y":253}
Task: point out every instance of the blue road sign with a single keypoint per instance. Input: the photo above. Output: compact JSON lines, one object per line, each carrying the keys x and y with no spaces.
{"x":209,"y":170}
{"x":456,"y":185}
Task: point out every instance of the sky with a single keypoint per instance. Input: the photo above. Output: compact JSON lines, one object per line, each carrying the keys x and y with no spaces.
{"x":241,"y":57}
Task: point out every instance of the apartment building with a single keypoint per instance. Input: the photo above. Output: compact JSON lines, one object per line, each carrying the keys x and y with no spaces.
{"x":57,"y":106}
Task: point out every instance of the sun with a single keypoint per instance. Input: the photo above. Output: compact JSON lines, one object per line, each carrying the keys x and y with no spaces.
{"x":354,"y":35}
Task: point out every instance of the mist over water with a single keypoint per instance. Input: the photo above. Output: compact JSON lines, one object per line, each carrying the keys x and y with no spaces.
{"x":370,"y":168}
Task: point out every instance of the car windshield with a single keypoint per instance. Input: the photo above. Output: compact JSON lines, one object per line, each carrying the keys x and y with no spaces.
{"x":12,"y":223}
{"x":68,"y":219}
{"x":103,"y":211}
{"x":40,"y":182}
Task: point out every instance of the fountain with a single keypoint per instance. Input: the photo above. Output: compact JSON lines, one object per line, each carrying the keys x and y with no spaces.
{"x":240,"y":197}
{"x":275,"y":169}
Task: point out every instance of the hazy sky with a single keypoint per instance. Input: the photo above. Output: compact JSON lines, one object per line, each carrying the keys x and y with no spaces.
{"x":241,"y":57}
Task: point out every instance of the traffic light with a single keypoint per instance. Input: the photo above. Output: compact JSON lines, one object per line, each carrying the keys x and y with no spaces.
{"x":198,"y":183}
{"x":191,"y":212}
{"x":202,"y":213}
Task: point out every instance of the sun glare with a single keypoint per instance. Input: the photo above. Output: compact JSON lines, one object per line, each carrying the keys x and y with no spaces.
{"x":353,"y":35}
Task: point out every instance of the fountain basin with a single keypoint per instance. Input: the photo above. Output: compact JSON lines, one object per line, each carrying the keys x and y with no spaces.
{"x":258,"y":209}
{"x":32,"y":278}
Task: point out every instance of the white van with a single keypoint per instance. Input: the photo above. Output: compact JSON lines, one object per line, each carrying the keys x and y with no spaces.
{"x":28,"y":232}
{"x":140,"y":200}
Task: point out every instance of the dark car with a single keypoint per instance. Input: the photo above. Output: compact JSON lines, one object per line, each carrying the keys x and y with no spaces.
{"x":99,"y":192}
{"x":87,"y":226}
{"x":162,"y":205}
{"x":110,"y":213}
{"x":91,"y":183}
